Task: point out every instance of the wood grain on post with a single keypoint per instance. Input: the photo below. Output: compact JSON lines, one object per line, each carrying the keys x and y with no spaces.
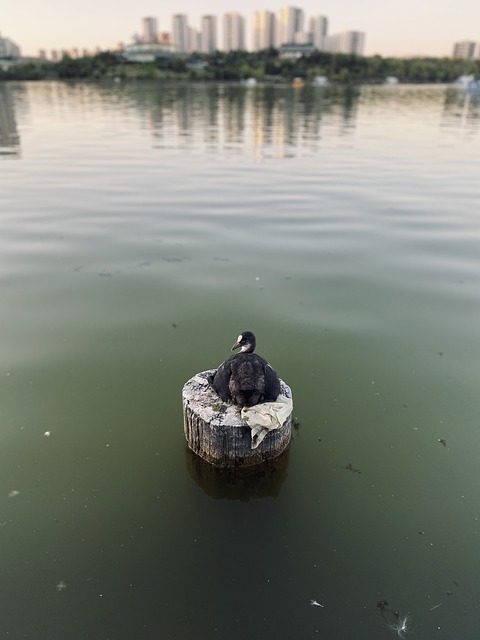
{"x":214,"y":429}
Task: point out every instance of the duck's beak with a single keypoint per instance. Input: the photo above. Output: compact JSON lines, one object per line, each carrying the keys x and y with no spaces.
{"x":235,"y":346}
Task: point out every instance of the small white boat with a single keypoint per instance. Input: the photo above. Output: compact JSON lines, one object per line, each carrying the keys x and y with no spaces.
{"x":391,"y":80}
{"x":250,"y":82}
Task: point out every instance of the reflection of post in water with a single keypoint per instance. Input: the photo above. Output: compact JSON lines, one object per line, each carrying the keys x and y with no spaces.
{"x":9,"y":138}
{"x":261,"y":481}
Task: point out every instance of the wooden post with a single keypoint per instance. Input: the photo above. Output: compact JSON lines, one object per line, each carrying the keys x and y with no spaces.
{"x":214,"y":430}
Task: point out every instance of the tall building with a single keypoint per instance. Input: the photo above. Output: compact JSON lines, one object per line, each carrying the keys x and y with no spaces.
{"x":290,"y":23}
{"x":8,"y":48}
{"x":209,"y":34}
{"x":264,"y":30}
{"x":464,"y":50}
{"x":194,"y":39}
{"x":233,"y":32}
{"x":149,"y":29}
{"x":319,"y":30}
{"x":346,"y":42}
{"x":180,"y":33}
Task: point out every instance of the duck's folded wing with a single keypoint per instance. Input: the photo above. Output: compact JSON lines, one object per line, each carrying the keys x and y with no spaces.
{"x":221,"y":381}
{"x":272,"y":384}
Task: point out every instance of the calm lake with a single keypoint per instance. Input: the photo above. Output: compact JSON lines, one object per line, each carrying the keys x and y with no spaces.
{"x":142,"y":228}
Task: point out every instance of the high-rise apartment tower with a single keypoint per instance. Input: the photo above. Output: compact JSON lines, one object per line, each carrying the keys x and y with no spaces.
{"x":346,"y":42}
{"x":264,"y":30}
{"x":209,"y":34}
{"x":180,"y":33}
{"x":290,"y":23}
{"x":319,"y":30}
{"x":149,"y":29}
{"x":233,"y":32}
{"x":464,"y":50}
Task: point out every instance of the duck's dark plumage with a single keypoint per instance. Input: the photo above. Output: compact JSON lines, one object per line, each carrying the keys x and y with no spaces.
{"x":245,"y":378}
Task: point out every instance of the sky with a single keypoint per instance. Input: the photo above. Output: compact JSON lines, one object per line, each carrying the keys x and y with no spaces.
{"x":400,"y":28}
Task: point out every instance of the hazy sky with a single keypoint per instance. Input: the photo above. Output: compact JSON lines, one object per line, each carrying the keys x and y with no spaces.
{"x":403,"y":27}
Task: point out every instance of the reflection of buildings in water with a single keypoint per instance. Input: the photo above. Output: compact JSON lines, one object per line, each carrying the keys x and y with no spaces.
{"x":263,"y":119}
{"x":348,"y":110}
{"x":234,"y":111}
{"x":210,"y":113}
{"x":262,"y":481}
{"x":269,"y":121}
{"x":287,"y":122}
{"x":9,"y":137}
{"x":276,"y":122}
{"x":181,"y":116}
{"x":461,"y":113}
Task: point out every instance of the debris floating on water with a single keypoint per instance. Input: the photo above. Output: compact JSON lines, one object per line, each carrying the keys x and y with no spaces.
{"x":395,"y":622}
{"x":400,"y":627}
{"x":352,"y":468}
{"x":13,"y":493}
{"x":436,"y":606}
{"x":61,"y":586}
{"x":314,"y":603}
{"x":442,"y":441}
{"x":47,"y":434}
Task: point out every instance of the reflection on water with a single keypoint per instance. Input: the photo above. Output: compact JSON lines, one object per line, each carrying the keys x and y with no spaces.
{"x":263,"y":481}
{"x":9,"y":137}
{"x":276,"y":122}
{"x":461,"y":113}
{"x":261,"y":122}
{"x":266,"y":121}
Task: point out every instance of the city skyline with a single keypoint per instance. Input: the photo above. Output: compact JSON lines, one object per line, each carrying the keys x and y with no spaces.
{"x":409,"y":29}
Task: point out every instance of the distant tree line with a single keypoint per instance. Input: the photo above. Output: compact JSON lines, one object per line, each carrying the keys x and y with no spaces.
{"x":264,"y":65}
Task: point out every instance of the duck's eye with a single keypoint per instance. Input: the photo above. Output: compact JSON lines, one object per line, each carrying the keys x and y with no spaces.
{"x":240,"y":338}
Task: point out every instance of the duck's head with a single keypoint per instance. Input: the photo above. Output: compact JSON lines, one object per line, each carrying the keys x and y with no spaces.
{"x":246,"y":342}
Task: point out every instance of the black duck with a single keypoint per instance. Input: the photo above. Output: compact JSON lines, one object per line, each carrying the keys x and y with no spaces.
{"x":245,"y":378}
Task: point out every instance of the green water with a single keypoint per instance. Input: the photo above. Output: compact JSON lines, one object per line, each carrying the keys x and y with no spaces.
{"x":142,"y":227}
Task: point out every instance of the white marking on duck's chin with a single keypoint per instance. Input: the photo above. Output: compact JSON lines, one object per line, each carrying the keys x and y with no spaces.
{"x":246,"y":347}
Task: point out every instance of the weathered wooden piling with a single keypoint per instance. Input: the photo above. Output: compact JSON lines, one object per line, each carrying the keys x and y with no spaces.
{"x":216,"y":432}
